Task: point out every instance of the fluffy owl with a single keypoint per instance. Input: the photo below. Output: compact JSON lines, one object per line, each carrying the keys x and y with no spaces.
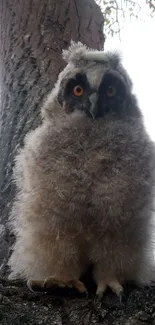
{"x":85,"y":182}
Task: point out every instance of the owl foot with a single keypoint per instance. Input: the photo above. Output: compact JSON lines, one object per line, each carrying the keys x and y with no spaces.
{"x":53,"y":283}
{"x":114,"y":285}
{"x":35,"y":285}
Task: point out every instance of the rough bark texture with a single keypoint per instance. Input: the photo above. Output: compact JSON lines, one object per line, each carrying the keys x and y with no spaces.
{"x":32,"y":35}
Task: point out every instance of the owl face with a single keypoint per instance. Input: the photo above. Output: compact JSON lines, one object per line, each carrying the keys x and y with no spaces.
{"x":96,"y":87}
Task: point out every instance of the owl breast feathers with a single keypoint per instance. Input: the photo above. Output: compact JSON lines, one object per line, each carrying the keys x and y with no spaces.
{"x":85,"y":182}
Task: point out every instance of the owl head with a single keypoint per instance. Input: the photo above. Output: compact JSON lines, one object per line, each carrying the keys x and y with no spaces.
{"x":95,"y":83}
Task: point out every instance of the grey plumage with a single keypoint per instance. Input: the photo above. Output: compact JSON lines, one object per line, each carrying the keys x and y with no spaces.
{"x":85,"y":181}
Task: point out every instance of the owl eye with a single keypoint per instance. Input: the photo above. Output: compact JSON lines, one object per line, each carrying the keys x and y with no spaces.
{"x":78,"y":91}
{"x":111,"y":91}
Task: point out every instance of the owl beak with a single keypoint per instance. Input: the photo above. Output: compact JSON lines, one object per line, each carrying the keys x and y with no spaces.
{"x":93,"y":98}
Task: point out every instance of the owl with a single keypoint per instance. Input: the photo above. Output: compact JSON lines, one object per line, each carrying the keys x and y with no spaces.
{"x":85,"y":182}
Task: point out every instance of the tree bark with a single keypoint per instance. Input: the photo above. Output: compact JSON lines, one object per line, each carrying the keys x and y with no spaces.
{"x":32,"y":35}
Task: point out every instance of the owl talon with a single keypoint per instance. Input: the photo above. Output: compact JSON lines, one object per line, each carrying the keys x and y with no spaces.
{"x":115,"y":286}
{"x":79,"y":286}
{"x":35,"y":285}
{"x":53,"y":283}
{"x":121,"y":296}
{"x":100,"y":290}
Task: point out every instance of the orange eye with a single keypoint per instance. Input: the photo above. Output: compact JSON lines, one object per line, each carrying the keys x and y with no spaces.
{"x":78,"y":91}
{"x":111,"y":91}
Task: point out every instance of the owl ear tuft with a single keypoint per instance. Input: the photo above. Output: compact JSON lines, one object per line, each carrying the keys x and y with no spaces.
{"x":78,"y":51}
{"x":75,"y":52}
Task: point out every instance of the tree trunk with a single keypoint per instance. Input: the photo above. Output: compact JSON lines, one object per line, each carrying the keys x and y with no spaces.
{"x":33,"y":33}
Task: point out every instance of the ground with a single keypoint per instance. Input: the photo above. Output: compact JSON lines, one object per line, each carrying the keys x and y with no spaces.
{"x":20,"y":306}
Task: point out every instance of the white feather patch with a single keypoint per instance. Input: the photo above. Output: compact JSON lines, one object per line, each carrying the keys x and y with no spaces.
{"x":94,"y":56}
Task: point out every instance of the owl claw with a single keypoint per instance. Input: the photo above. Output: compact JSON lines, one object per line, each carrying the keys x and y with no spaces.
{"x":53,"y":283}
{"x":79,"y":285}
{"x":100,"y":290}
{"x":35,"y":285}
{"x":115,"y":286}
{"x":121,"y":296}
